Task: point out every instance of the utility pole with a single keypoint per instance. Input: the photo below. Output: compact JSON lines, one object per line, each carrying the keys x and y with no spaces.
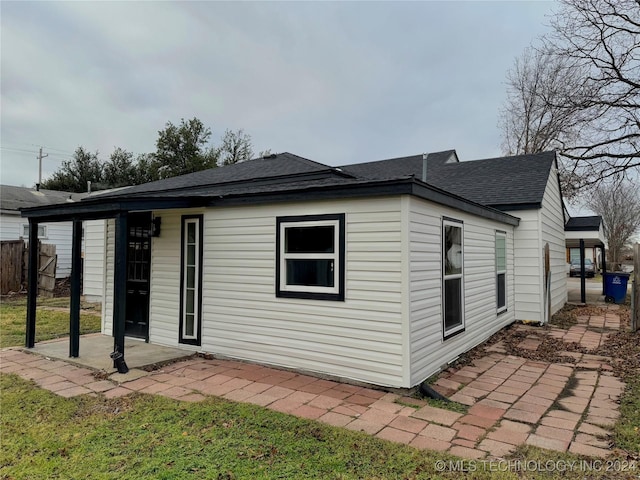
{"x":40,"y":157}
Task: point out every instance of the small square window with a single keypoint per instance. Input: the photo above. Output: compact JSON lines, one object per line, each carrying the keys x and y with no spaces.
{"x":310,"y":257}
{"x":42,"y":231}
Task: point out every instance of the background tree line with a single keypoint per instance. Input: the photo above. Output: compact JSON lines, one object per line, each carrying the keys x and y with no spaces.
{"x":180,"y":149}
{"x":577,"y":91}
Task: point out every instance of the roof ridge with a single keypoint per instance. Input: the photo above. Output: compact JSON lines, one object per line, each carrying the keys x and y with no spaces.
{"x":399,"y":158}
{"x":307,"y":160}
{"x":518,"y":156}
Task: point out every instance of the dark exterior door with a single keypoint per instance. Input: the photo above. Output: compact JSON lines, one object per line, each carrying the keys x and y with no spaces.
{"x":138,"y":275}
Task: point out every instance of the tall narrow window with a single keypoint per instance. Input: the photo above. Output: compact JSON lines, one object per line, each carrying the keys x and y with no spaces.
{"x":310,"y":257}
{"x":501,"y":271}
{"x":452,"y":277}
{"x":191,"y":280}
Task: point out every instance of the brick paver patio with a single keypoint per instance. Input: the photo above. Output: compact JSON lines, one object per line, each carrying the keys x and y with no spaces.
{"x":511,"y":400}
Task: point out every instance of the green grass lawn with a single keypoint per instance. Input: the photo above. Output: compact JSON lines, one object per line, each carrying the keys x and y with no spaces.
{"x":49,"y":323}
{"x":145,"y":436}
{"x":46,"y":436}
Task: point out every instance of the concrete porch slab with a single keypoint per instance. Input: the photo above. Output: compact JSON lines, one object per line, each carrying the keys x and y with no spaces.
{"x":96,"y":348}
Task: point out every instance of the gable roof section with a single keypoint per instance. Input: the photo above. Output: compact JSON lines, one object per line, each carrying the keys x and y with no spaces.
{"x":284,"y":166}
{"x":13,"y":198}
{"x":506,"y":183}
{"x":576,"y":224}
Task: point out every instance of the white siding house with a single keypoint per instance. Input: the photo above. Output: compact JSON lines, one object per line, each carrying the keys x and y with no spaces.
{"x":14,"y":227}
{"x":381,"y":334}
{"x":366,"y":272}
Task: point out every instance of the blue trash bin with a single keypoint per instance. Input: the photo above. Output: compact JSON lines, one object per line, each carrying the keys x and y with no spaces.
{"x":615,"y":286}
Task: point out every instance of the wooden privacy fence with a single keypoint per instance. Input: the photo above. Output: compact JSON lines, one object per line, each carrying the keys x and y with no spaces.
{"x":11,"y":258}
{"x":14,"y":256}
{"x":47,"y":262}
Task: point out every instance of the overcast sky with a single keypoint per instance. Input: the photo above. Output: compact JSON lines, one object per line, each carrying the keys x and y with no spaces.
{"x":334,"y":82}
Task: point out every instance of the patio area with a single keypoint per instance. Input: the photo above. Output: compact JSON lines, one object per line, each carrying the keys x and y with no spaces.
{"x":569,"y":405}
{"x":96,"y":348}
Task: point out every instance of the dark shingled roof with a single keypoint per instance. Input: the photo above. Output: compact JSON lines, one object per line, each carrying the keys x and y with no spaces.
{"x":505,"y":183}
{"x":286,"y":166}
{"x":15,"y":198}
{"x":583,"y":223}
{"x":483,"y":187}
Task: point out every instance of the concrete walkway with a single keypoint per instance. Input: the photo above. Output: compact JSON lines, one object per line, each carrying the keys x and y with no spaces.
{"x":512,"y":400}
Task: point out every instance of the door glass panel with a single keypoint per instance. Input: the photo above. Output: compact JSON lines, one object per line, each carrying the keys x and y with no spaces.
{"x":191,"y":232}
{"x":189,"y":305}
{"x":191,"y":254}
{"x":191,"y":277}
{"x":189,"y":325}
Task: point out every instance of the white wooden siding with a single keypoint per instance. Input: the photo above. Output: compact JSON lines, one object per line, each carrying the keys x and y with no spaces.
{"x":107,"y":302}
{"x":164,"y":300}
{"x":58,"y":234}
{"x":11,"y":227}
{"x":551,"y":216}
{"x":528,"y":265}
{"x":428,"y":349}
{"x":537,"y":228}
{"x":388,"y":331}
{"x":94,"y":260}
{"x":360,"y":338}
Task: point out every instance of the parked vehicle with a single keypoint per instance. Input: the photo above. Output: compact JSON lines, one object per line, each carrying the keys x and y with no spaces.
{"x":589,"y":268}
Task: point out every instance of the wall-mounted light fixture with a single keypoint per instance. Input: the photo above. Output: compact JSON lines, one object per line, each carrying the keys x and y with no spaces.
{"x":155,"y":226}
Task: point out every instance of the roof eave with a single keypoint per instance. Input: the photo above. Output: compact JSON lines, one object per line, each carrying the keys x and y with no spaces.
{"x":97,"y":208}
{"x":508,"y":207}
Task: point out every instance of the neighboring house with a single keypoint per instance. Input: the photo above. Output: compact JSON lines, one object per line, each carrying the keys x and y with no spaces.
{"x":368,"y":271}
{"x":591,"y":231}
{"x":14,"y":227}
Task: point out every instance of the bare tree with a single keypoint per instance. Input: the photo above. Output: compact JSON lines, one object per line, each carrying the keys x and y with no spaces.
{"x":618,"y":203}
{"x":602,"y":39}
{"x":236,"y":147}
{"x":590,"y":113}
{"x":534,"y":117}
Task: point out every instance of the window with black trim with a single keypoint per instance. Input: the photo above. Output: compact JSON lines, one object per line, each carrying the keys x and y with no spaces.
{"x":501,"y":271}
{"x":191,"y":280}
{"x":452,"y":277}
{"x":310,"y":257}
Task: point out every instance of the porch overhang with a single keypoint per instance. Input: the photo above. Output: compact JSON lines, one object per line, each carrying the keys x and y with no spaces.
{"x":581,"y":238}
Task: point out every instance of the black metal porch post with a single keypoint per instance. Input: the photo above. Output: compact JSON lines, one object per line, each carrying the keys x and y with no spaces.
{"x":120,"y":282}
{"x":583,"y":284}
{"x":76,"y":268}
{"x":32,"y":284}
{"x":604,"y":270}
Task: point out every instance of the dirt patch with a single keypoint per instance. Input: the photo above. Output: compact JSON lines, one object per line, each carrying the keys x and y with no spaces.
{"x":507,"y":341}
{"x":622,"y":346}
{"x":624,"y":349}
